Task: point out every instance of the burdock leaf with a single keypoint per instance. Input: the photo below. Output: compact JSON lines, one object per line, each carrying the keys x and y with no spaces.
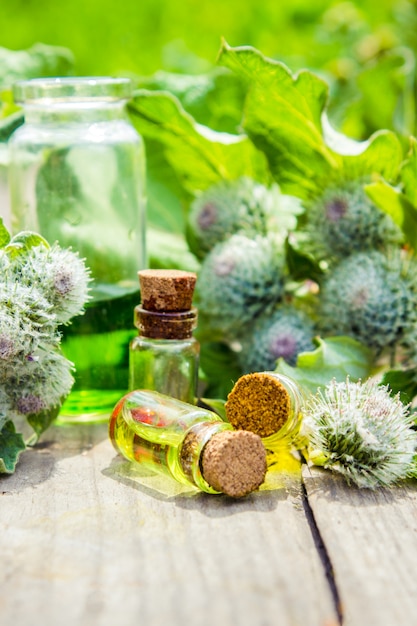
{"x":282,"y":116}
{"x":403,"y":382}
{"x":409,"y":173}
{"x":11,"y":445}
{"x":335,"y":357}
{"x":401,"y":205}
{"x":397,"y":205}
{"x":24,"y":241}
{"x":4,"y":234}
{"x":200,"y":156}
{"x":285,"y":116}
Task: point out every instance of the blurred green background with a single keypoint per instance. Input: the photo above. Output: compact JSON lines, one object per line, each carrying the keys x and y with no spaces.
{"x":365,"y":50}
{"x":146,"y":35}
{"x":342,"y":40}
{"x":141,"y":37}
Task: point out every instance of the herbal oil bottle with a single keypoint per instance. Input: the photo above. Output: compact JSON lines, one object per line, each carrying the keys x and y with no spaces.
{"x":267,"y":404}
{"x":77,"y":176}
{"x":187,"y":443}
{"x":164,"y":356}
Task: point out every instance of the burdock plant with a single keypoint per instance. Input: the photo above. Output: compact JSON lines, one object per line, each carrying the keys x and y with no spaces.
{"x":239,"y":206}
{"x":41,"y":287}
{"x":239,"y":279}
{"x":362,"y":432}
{"x":284,"y":334}
{"x":343,"y":220}
{"x":371,"y":297}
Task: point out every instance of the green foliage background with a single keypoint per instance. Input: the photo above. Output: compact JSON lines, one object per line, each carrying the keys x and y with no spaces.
{"x":349,"y":42}
{"x":151,"y":34}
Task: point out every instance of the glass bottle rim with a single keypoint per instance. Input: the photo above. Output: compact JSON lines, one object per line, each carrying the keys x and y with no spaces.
{"x":72,"y":89}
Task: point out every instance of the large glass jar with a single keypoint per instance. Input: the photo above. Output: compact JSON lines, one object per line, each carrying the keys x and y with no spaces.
{"x":77,"y":172}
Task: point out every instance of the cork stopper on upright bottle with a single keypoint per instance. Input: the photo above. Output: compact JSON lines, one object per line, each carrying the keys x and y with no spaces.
{"x":166,"y":311}
{"x":234,"y":462}
{"x":260,"y":403}
{"x":167,"y":290}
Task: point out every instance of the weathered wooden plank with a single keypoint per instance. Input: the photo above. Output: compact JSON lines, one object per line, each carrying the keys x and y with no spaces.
{"x":371,"y":541}
{"x":85,"y":541}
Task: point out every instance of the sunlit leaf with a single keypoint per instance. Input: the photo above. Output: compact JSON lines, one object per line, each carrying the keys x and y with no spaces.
{"x":4,"y":234}
{"x":335,"y":357}
{"x":285,"y":116}
{"x":200,"y":156}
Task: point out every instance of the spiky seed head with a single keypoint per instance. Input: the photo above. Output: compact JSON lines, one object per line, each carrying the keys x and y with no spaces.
{"x":344,"y":220}
{"x":26,"y":317}
{"x":239,"y":279}
{"x":241,"y":206}
{"x":61,"y":276}
{"x":360,"y":431}
{"x":40,"y":383}
{"x":283,"y":334}
{"x":14,"y":338}
{"x":369,"y":297}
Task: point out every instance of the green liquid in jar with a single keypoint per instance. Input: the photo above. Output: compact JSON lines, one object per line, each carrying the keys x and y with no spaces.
{"x":98,"y":343}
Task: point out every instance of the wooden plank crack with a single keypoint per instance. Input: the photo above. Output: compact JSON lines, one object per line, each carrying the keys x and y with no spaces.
{"x":323,"y":555}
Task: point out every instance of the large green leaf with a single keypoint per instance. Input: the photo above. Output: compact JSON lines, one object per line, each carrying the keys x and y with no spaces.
{"x":166,"y":198}
{"x":169,"y":250}
{"x":285,"y":117}
{"x":409,"y":173}
{"x":214,"y":99}
{"x":403,"y":382}
{"x":4,"y":234}
{"x":401,"y":205}
{"x":200,"y":156}
{"x":11,"y":445}
{"x":335,"y":357}
{"x":396,"y":204}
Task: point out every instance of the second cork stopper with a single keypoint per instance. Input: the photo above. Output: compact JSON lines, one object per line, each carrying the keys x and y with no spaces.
{"x":234,"y":462}
{"x":167,"y":290}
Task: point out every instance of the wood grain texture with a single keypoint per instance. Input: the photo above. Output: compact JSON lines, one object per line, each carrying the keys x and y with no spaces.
{"x":85,"y":540}
{"x":371,"y":541}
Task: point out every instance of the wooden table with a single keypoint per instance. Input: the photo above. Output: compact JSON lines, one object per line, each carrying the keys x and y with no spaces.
{"x":86,"y":540}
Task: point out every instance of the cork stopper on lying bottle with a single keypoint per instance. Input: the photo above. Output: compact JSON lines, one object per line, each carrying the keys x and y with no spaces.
{"x":260,"y":403}
{"x":234,"y":462}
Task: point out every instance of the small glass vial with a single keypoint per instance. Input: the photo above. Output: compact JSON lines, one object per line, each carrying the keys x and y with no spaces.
{"x":164,"y":356}
{"x":77,"y":176}
{"x":187,"y":443}
{"x":267,"y":404}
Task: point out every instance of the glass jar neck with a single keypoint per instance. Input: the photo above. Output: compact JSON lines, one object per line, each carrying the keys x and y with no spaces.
{"x":76,"y":112}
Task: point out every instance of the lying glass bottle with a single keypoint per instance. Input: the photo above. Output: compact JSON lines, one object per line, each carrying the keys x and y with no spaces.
{"x":188,"y":443}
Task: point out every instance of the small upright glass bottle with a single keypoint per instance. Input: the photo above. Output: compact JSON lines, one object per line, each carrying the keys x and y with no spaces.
{"x":164,"y":356}
{"x":188,"y":443}
{"x":268,"y":404}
